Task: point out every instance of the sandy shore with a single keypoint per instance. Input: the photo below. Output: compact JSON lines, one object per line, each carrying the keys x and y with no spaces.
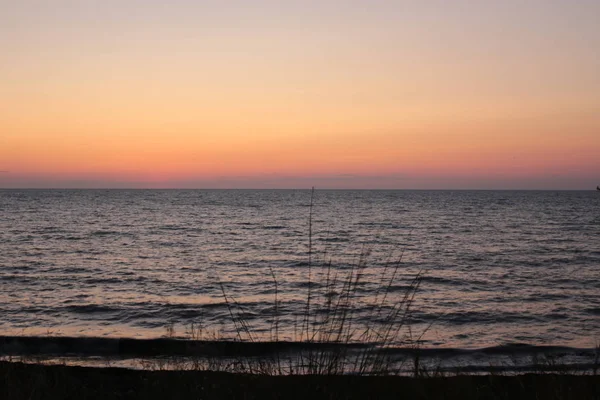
{"x":26,"y":381}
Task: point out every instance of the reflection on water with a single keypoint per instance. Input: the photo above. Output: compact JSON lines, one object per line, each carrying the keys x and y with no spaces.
{"x":500,"y":266}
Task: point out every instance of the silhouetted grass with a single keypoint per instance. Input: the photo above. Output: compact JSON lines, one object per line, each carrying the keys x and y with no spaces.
{"x":330,"y":320}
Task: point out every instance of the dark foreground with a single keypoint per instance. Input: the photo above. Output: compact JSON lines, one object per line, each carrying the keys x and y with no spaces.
{"x":25,"y":381}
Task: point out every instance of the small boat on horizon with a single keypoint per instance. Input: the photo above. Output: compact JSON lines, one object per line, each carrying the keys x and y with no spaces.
{"x":597,"y":187}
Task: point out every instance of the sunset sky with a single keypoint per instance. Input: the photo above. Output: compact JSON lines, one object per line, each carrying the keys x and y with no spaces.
{"x":293,"y":94}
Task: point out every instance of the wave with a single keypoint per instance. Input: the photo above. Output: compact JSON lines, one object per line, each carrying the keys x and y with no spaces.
{"x":90,"y":309}
{"x":103,"y":346}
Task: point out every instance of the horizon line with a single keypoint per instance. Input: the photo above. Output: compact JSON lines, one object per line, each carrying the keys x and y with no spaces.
{"x":301,"y":188}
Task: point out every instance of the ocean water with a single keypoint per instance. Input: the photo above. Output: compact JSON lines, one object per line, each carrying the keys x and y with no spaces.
{"x":498,"y":267}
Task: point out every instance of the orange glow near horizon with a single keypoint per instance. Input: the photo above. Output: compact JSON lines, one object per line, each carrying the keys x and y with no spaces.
{"x":423,"y":98}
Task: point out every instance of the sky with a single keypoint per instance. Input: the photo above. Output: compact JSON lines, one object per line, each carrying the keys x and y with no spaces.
{"x":293,"y":94}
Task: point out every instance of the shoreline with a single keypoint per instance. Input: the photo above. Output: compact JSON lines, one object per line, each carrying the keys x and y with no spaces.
{"x":291,"y":357}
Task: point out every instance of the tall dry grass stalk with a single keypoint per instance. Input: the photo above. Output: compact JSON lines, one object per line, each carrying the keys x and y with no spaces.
{"x":338,"y":340}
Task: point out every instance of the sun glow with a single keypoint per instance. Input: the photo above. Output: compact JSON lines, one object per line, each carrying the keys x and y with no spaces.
{"x":170,"y":97}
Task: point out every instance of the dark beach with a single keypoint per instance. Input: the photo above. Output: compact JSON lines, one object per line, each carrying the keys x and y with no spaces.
{"x":169,"y":368}
{"x":25,"y":381}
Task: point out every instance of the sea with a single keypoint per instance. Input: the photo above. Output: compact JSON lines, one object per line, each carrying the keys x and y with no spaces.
{"x":494,"y":269}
